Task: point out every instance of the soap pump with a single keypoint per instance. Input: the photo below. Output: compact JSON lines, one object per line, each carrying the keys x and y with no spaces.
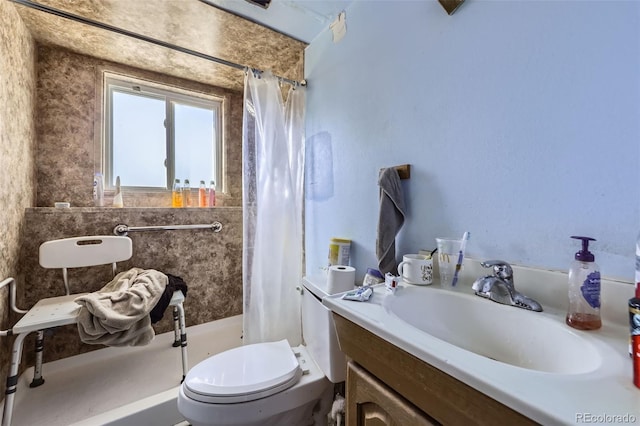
{"x":584,"y":290}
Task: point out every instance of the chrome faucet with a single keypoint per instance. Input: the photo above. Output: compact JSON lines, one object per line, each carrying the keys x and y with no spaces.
{"x":499,"y":287}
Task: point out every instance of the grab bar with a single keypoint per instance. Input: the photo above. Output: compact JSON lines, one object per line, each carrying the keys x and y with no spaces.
{"x":121,"y":230}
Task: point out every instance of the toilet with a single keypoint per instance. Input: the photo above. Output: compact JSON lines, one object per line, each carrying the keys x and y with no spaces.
{"x":270,"y":383}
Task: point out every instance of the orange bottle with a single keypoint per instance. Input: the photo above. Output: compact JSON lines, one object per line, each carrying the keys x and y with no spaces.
{"x":202,"y":195}
{"x":176,"y":195}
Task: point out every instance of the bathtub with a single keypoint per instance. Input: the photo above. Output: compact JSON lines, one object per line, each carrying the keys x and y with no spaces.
{"x":120,"y":386}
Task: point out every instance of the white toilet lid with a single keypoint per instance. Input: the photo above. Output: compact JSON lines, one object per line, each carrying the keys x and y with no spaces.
{"x":244,"y":374}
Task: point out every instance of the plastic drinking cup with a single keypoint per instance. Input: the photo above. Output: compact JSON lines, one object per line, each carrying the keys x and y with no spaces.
{"x":448,"y":251}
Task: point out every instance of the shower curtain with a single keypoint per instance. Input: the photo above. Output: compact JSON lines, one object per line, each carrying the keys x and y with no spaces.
{"x":273,"y":172}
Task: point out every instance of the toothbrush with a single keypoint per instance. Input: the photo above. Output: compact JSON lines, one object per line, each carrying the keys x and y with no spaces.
{"x":463,"y":245}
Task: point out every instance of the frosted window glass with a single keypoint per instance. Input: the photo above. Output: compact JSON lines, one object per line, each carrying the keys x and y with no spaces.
{"x":195,"y":130}
{"x":139,"y":140}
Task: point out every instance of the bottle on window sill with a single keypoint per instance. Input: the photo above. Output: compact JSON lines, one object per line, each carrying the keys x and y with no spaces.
{"x":202,"y":195}
{"x":176,"y":195}
{"x":186,"y":194}
{"x":117,"y":198}
{"x":98,"y":190}
{"x":212,"y":194}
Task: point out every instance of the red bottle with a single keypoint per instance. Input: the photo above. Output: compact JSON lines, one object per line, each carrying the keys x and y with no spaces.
{"x":634,"y":322}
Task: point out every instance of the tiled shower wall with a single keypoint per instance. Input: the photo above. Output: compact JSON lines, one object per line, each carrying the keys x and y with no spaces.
{"x":62,"y":90}
{"x":69,"y":111}
{"x":17,"y":149}
{"x":209,"y":262}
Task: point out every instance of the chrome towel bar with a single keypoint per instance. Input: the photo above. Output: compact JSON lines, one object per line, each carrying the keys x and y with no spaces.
{"x":122,"y":230}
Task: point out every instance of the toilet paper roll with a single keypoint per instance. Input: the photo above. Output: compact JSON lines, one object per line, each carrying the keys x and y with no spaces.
{"x":340,"y":279}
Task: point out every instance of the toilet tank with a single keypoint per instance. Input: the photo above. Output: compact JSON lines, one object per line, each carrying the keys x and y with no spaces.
{"x":318,"y":330}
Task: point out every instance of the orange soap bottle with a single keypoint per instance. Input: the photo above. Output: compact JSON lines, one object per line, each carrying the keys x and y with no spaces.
{"x":176,"y":194}
{"x":202,"y":195}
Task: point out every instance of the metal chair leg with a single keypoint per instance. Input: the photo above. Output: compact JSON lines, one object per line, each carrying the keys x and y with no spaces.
{"x":37,"y":369}
{"x":176,"y":327}
{"x":12,"y":379}
{"x":183,"y":340}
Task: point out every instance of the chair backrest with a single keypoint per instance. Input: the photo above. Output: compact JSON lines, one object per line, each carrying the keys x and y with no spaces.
{"x":78,"y":252}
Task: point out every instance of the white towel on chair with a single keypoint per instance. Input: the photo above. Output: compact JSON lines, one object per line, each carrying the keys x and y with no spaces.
{"x":118,"y":314}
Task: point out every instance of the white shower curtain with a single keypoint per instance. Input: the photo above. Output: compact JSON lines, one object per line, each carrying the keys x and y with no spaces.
{"x":273,"y":171}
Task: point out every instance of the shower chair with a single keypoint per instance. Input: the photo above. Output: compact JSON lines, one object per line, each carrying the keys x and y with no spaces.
{"x":64,"y":254}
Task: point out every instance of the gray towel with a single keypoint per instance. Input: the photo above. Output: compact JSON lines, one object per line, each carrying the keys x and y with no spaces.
{"x":118,"y":314}
{"x":392,"y":212}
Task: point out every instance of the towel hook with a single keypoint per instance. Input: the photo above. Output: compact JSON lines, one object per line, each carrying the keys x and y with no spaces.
{"x":404,"y":171}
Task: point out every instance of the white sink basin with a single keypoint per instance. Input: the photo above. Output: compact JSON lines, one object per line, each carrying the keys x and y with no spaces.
{"x":530,"y":361}
{"x":503,"y":333}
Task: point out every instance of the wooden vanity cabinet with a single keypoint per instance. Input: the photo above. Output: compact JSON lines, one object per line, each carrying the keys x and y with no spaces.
{"x":372,"y":403}
{"x":388,"y":386}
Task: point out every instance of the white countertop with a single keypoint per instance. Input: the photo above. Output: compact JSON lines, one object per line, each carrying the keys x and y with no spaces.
{"x":604,"y":395}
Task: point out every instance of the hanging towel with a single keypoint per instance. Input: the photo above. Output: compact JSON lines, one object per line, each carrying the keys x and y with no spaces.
{"x":118,"y":314}
{"x":390,"y":220}
{"x":174,"y":284}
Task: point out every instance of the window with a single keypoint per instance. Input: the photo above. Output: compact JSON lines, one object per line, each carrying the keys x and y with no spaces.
{"x":155,"y":134}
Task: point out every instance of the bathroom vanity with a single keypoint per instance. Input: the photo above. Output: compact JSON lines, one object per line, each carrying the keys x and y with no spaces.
{"x":430,"y":355}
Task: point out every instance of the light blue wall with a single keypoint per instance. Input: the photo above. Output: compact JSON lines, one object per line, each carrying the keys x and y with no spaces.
{"x":520,"y":119}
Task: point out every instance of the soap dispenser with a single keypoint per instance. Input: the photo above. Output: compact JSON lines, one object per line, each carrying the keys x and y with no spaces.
{"x":584,"y":290}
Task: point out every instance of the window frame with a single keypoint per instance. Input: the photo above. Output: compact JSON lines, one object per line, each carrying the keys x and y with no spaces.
{"x":171,"y":95}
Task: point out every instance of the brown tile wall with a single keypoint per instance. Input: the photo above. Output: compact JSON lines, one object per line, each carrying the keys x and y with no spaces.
{"x":191,"y":24}
{"x":210,"y":263}
{"x":68,"y":111}
{"x":17,"y":150}
{"x":69,"y":104}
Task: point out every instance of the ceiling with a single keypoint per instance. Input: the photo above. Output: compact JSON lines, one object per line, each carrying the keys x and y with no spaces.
{"x":303,"y":20}
{"x":190,"y":24}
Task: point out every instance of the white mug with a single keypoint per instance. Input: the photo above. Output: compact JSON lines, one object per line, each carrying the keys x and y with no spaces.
{"x":416,"y":269}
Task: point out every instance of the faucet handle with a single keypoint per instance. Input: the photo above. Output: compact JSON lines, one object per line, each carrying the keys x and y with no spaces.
{"x":501,"y":269}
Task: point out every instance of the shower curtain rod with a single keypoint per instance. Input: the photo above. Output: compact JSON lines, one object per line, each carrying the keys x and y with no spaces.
{"x":77,"y":18}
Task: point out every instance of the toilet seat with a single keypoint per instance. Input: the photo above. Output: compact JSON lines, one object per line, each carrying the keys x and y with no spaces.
{"x":244,"y":374}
